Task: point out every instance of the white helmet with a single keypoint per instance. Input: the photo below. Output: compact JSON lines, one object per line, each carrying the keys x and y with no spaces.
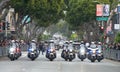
{"x":92,"y":42}
{"x":99,"y":42}
{"x":33,"y":40}
{"x":71,"y":41}
{"x":52,"y":41}
{"x":21,"y":40}
{"x":82,"y":42}
{"x":66,"y":42}
{"x":17,"y":40}
{"x":13,"y":41}
{"x":87,"y":44}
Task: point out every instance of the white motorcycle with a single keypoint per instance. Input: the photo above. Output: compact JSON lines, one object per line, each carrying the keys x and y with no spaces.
{"x":99,"y":53}
{"x":82,"y":53}
{"x":51,"y":52}
{"x":12,"y":53}
{"x":33,"y":52}
{"x":71,"y":54}
{"x":92,"y":54}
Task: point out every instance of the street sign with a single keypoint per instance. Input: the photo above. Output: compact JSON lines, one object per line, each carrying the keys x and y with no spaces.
{"x":116,"y":26}
{"x":101,"y":18}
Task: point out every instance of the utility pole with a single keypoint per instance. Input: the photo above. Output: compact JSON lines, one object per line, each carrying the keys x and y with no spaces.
{"x":6,"y":29}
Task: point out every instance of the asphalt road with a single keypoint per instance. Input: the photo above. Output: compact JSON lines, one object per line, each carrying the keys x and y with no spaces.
{"x":42,"y":64}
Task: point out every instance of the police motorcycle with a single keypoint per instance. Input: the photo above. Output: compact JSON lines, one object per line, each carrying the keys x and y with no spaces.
{"x":82,"y":52}
{"x":68,"y":52}
{"x":71,"y":53}
{"x":92,"y":52}
{"x":18,"y":50}
{"x":65,"y":52}
{"x":32,"y":51}
{"x":76,"y":46}
{"x":51,"y":52}
{"x":99,"y":52}
{"x":13,"y":52}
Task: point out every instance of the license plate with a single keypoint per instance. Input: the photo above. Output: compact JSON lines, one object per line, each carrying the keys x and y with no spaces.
{"x":32,"y":53}
{"x":71,"y":54}
{"x":51,"y":53}
{"x":11,"y":53}
{"x":99,"y":54}
{"x":93,"y":54}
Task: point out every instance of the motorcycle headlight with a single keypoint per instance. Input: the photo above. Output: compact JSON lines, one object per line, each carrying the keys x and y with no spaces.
{"x":93,"y":51}
{"x":99,"y":51}
{"x":12,"y":49}
{"x":82,"y":51}
{"x":71,"y":50}
{"x":31,"y":49}
{"x":51,"y":50}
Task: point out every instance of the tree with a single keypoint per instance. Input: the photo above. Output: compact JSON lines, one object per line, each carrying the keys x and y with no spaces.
{"x":43,"y":12}
{"x":80,"y":11}
{"x":117,"y":38}
{"x":4,"y":4}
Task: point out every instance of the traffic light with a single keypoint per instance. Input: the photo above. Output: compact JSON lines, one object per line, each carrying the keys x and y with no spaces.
{"x":8,"y":26}
{"x":105,"y":37}
{"x":1,"y":24}
{"x":102,"y":29}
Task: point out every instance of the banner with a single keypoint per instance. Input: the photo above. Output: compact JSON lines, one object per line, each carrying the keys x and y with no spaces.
{"x":106,"y":10}
{"x":99,"y":10}
{"x":102,"y":10}
{"x":118,"y":9}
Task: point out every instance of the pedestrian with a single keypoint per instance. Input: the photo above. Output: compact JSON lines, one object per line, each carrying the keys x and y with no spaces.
{"x":41,"y":48}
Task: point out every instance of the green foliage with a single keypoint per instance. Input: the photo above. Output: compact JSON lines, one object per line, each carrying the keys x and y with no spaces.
{"x":117,"y":38}
{"x":80,"y":11}
{"x":45,"y":12}
{"x":45,"y":37}
{"x":74,"y":36}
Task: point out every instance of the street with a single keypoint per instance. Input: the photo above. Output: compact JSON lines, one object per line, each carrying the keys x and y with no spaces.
{"x":42,"y":64}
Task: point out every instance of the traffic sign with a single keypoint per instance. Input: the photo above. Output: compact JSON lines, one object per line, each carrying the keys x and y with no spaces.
{"x":101,"y":18}
{"x":116,"y":26}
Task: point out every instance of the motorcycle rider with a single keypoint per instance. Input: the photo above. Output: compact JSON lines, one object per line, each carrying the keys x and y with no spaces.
{"x":82,"y":43}
{"x":33,"y":45}
{"x":51,"y":45}
{"x":17,"y":43}
{"x":99,"y":46}
{"x":65,"y":46}
{"x":12,"y":44}
{"x":93,"y":45}
{"x":87,"y":44}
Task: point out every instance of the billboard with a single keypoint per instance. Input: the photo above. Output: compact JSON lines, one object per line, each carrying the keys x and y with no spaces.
{"x":102,"y":10}
{"x":106,"y":10}
{"x":118,"y":8}
{"x":99,"y":10}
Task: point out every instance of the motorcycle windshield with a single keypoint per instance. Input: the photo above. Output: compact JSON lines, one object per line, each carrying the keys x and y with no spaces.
{"x":52,"y":45}
{"x":82,"y":48}
{"x":70,"y":46}
{"x":99,"y":48}
{"x":13,"y":45}
{"x":93,"y":46}
{"x":33,"y":45}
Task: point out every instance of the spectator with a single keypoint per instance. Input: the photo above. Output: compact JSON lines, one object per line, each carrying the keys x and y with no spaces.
{"x":41,"y":48}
